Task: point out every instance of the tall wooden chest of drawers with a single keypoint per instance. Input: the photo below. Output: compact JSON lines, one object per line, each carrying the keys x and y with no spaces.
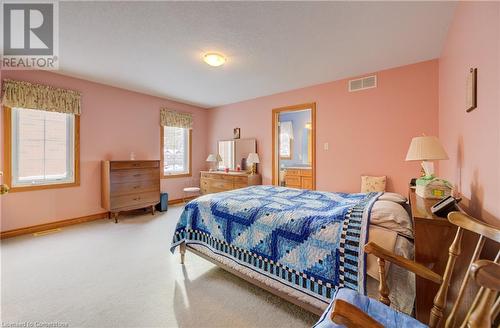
{"x":218,"y":181}
{"x":129,"y":185}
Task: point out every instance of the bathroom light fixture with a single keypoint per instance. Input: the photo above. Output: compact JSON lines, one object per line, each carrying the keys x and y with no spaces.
{"x":214,"y":59}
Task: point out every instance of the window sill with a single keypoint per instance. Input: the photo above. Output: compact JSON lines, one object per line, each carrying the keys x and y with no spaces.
{"x":172,"y":176}
{"x":42,"y":187}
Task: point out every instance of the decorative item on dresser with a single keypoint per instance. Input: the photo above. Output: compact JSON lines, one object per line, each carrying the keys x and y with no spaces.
{"x":129,"y":185}
{"x":299,"y":178}
{"x":212,"y":182}
{"x":214,"y":161}
{"x":433,"y":235}
{"x":253,"y":160}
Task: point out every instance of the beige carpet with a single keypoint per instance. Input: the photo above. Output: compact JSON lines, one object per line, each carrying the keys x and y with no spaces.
{"x":102,"y":274}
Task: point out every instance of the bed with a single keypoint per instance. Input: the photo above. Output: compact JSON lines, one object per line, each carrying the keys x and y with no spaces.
{"x":298,"y":244}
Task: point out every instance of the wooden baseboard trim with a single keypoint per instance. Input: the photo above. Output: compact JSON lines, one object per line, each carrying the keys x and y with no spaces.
{"x":178,"y":201}
{"x":51,"y":225}
{"x":68,"y":222}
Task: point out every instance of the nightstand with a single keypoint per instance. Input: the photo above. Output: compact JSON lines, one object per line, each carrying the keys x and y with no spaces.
{"x":433,"y":236}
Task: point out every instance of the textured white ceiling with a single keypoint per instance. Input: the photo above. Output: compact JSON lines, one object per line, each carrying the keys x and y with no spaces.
{"x":157,"y":47}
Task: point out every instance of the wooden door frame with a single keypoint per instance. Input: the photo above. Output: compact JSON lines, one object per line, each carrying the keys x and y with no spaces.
{"x":275,"y":161}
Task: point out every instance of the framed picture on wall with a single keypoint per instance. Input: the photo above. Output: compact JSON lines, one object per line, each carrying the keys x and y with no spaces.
{"x":236,"y":133}
{"x":471,"y":92}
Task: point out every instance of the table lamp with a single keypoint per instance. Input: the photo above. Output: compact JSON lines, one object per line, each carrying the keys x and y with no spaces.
{"x":426,"y":149}
{"x":212,"y":159}
{"x":253,"y":158}
{"x":219,"y":159}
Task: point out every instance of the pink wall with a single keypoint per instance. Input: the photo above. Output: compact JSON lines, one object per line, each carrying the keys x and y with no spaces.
{"x":1,"y":151}
{"x":472,"y":139}
{"x":368,"y":131}
{"x":114,"y":122}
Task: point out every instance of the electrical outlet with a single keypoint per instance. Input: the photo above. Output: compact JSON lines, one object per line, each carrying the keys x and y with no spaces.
{"x":326,"y":146}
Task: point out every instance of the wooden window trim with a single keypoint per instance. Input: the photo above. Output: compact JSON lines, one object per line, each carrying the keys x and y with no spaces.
{"x":7,"y":164}
{"x":190,"y":147}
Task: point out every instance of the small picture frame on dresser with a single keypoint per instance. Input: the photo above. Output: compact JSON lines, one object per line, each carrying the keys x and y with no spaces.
{"x":236,"y":133}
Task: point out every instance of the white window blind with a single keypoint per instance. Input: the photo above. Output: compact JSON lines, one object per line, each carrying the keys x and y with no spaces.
{"x":175,"y":150}
{"x":42,"y":147}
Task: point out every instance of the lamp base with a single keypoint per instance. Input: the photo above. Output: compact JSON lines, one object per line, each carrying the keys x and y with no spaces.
{"x":253,"y":169}
{"x":427,"y":168}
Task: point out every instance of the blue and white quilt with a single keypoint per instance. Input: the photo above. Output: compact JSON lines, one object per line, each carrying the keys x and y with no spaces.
{"x":309,"y":240}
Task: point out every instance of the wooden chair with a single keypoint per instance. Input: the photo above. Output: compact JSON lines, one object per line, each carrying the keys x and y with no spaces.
{"x":485,"y":307}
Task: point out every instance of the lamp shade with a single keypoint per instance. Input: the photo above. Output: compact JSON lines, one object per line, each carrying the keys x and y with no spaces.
{"x":425,"y":148}
{"x":211,"y":158}
{"x":253,"y":158}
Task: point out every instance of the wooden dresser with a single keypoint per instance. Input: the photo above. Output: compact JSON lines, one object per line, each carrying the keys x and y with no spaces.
{"x":217,"y":181}
{"x":433,"y":236}
{"x":129,"y":185}
{"x":299,"y":178}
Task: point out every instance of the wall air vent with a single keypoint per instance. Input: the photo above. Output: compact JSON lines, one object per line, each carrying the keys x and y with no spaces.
{"x":363,"y":83}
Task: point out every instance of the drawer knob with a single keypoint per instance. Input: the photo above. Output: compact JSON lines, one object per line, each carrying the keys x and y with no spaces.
{"x":137,"y":175}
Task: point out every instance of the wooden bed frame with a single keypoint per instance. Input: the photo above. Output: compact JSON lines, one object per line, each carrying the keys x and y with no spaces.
{"x":306,"y":306}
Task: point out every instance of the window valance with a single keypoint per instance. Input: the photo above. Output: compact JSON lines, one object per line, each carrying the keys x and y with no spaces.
{"x":42,"y":97}
{"x":175,"y":119}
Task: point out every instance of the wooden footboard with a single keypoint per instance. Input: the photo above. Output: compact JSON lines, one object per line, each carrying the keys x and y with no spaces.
{"x":306,"y":306}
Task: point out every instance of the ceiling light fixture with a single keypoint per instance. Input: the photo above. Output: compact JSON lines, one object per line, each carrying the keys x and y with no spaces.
{"x":214,"y":59}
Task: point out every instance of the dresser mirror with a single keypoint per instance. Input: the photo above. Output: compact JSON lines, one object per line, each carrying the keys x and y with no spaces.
{"x":235,"y":152}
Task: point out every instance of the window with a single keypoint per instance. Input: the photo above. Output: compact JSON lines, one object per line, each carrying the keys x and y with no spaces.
{"x":286,"y":139}
{"x":176,"y":148}
{"x":43,"y":149}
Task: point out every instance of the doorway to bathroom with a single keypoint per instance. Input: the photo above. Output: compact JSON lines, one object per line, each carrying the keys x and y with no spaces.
{"x":294,"y":151}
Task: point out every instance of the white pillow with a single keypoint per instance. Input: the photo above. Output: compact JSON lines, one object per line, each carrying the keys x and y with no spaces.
{"x":392,"y":216}
{"x":393,"y":197}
